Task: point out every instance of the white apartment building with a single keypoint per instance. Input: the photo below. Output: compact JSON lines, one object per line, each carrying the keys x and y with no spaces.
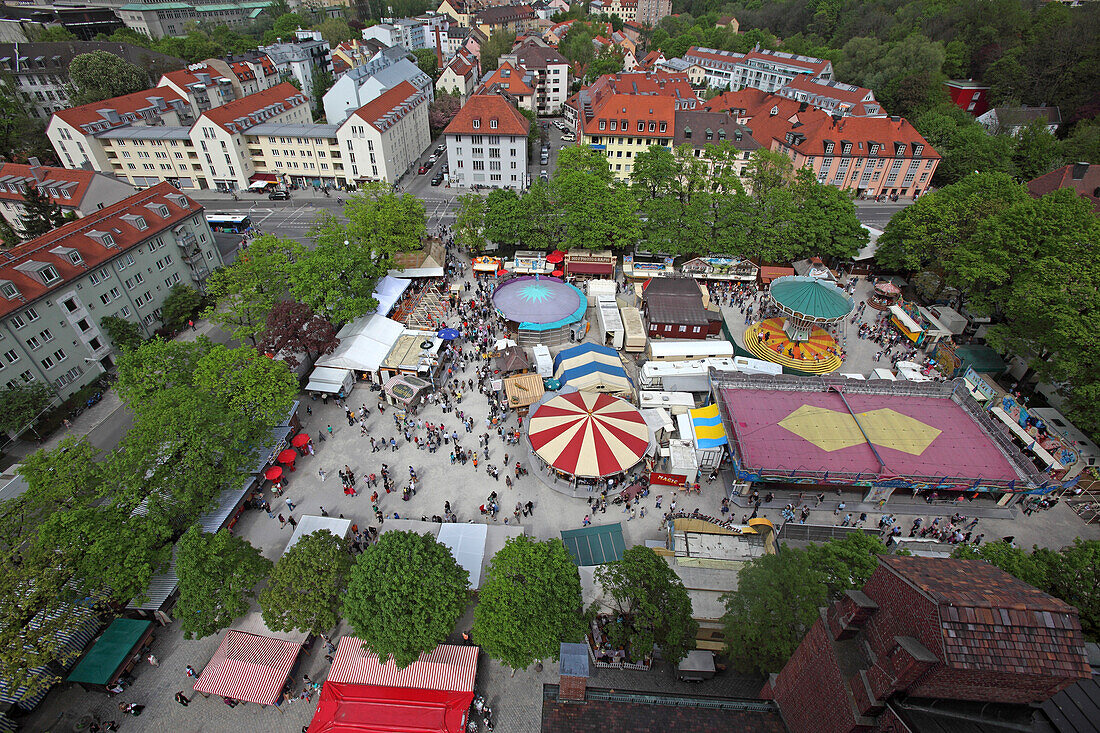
{"x":383,"y":139}
{"x":547,"y":72}
{"x":204,"y":85}
{"x":460,"y":75}
{"x":301,"y":57}
{"x":365,"y":83}
{"x":487,"y":144}
{"x":765,"y":70}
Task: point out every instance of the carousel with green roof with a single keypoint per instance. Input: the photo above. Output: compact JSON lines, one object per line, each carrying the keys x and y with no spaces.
{"x":799,"y":339}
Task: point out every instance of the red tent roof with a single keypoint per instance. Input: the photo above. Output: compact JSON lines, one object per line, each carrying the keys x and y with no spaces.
{"x":249,"y":667}
{"x":344,"y":708}
{"x":444,"y":668}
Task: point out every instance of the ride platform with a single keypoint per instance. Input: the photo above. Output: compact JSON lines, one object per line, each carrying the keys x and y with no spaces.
{"x":818,"y":355}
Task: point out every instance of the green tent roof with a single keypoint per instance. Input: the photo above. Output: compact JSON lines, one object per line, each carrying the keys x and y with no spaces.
{"x":109,"y":652}
{"x":595,"y":545}
{"x":811,"y":297}
{"x":983,"y":358}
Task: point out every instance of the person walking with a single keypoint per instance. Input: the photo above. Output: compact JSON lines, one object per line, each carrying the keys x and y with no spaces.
{"x":152,"y":660}
{"x":529,"y":509}
{"x":289,"y":504}
{"x":181,"y":699}
{"x":191,"y":672}
{"x":291,"y":521}
{"x":321,"y":473}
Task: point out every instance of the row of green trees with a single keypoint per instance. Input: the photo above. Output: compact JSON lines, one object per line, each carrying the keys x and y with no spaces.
{"x":676,"y":203}
{"x":1026,"y":261}
{"x":100,"y":525}
{"x":404,"y":595}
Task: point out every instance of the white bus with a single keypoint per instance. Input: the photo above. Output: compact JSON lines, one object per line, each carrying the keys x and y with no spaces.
{"x":682,"y":376}
{"x":227,"y":223}
{"x":687,"y":349}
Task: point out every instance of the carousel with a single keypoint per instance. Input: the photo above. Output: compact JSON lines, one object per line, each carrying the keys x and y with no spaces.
{"x":886,"y":294}
{"x":583,"y":437}
{"x":539,"y":310}
{"x":798,"y":339}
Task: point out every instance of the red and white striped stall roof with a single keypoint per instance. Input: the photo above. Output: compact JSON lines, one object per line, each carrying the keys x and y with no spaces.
{"x":449,"y":668}
{"x":249,"y":667}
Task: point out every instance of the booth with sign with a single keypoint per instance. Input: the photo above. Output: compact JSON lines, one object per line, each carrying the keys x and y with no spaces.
{"x":405,"y":391}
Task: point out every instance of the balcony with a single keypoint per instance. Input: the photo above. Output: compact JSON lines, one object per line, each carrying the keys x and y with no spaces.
{"x":192,"y":257}
{"x":186,"y":239}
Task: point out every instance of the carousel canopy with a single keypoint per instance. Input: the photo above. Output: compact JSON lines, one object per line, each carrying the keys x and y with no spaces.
{"x":811,"y":297}
{"x":588,"y":434}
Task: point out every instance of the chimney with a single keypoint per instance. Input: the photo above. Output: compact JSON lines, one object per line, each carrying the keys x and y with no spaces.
{"x":39,"y":175}
{"x":573,"y":684}
{"x":1079,"y":170}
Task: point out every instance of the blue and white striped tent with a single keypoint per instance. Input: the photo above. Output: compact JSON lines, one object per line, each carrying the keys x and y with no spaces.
{"x":83,"y":625}
{"x":593,"y":368}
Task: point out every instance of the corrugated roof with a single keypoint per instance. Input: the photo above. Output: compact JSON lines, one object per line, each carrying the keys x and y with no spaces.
{"x":596,"y":544}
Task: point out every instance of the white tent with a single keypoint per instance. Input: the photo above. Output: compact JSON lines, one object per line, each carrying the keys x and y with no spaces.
{"x":364,"y":344}
{"x":310,"y":523}
{"x":388,"y":291}
{"x":330,"y":380}
{"x":467,"y":544}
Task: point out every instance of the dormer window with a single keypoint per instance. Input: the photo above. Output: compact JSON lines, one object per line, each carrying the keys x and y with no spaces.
{"x":687,"y":133}
{"x":477,"y":124}
{"x":829,"y":145}
{"x":49,"y":274}
{"x":917,"y":150}
{"x":492,"y":124}
{"x":8,"y":290}
{"x":612,"y":125}
{"x":603,"y":125}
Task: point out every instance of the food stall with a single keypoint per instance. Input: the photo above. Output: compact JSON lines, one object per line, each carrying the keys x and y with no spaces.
{"x":115,"y":653}
{"x":405,"y":391}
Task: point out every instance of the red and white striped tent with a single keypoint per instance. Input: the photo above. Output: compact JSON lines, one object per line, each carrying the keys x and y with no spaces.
{"x":588,"y":434}
{"x":363,"y":694}
{"x":249,"y":667}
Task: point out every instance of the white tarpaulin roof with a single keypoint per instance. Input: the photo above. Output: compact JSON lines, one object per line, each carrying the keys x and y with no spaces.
{"x":326,"y":379}
{"x":467,"y":544}
{"x":310,"y":523}
{"x":364,"y":344}
{"x":388,"y":291}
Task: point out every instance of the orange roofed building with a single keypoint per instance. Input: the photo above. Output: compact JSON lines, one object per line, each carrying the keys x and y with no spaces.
{"x":871,"y":156}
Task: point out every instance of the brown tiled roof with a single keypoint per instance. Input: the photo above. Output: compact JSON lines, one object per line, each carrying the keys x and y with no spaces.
{"x":723,"y":127}
{"x":993,"y":621}
{"x":156,"y":100}
{"x":1081,"y":177}
{"x":391,"y":105}
{"x":76,"y":182}
{"x":501,"y":14}
{"x":80,"y":235}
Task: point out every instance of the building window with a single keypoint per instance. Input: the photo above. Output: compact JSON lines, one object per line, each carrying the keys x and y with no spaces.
{"x":11,"y":356}
{"x":60,"y":355}
{"x":17,"y":322}
{"x":47,"y":363}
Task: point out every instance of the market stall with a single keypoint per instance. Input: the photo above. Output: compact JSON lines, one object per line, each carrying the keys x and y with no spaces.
{"x":121,"y":646}
{"x":523,"y":390}
{"x":431,"y":695}
{"x":405,"y":391}
{"x":249,"y":667}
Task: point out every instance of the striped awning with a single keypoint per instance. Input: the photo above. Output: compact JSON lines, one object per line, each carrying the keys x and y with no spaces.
{"x":249,"y":667}
{"x":588,"y":434}
{"x":83,"y":626}
{"x":447,"y":668}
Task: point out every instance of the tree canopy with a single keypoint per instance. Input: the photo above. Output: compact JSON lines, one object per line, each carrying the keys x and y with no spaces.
{"x":101,"y":75}
{"x":405,"y":594}
{"x":529,"y":603}
{"x":306,"y":585}
{"x":217,"y":574}
{"x":20,"y":405}
{"x":293,"y":328}
{"x":653,"y":603}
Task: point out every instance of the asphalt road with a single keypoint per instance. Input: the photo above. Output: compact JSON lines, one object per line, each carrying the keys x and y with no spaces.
{"x":875,"y":214}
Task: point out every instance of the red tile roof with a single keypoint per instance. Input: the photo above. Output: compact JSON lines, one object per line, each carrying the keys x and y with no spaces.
{"x":391,"y":106}
{"x":277,"y":99}
{"x":485,"y":108}
{"x":1081,"y":177}
{"x":75,"y":182}
{"x":129,"y":107}
{"x":634,"y":109}
{"x":831,"y":89}
{"x":510,"y":79}
{"x":80,"y":236}
{"x":243,"y":71}
{"x":185,"y":77}
{"x":995,"y":622}
{"x":501,"y":14}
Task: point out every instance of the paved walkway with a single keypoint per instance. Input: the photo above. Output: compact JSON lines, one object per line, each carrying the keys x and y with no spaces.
{"x":516,"y":700}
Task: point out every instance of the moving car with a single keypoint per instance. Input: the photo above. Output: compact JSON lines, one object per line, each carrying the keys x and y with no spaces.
{"x":279,"y":195}
{"x":568,"y":138}
{"x":423,"y":169}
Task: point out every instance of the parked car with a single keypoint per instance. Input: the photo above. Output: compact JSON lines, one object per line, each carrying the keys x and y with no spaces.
{"x":279,"y":195}
{"x":432,"y":159}
{"x":543,"y":177}
{"x":423,"y":169}
{"x":440,"y":149}
{"x":437,"y":179}
{"x":544,"y":160}
{"x":568,"y":138}
{"x":446,"y":168}
{"x":560,"y":125}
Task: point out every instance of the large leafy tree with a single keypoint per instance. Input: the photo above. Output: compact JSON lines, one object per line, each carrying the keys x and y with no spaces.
{"x":245,"y":381}
{"x":124,"y":334}
{"x":20,"y":133}
{"x":847,"y":563}
{"x":180,"y":304}
{"x":101,"y":75}
{"x":337,"y":277}
{"x":652,"y":602}
{"x":306,"y":585}
{"x":247,"y":290}
{"x":470,"y":222}
{"x":19,"y":406}
{"x":498,"y":43}
{"x":405,"y":595}
{"x":218,"y":574}
{"x":443,"y":109}
{"x":775,"y":604}
{"x":293,"y":328}
{"x":595,"y":210}
{"x":529,"y":603}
